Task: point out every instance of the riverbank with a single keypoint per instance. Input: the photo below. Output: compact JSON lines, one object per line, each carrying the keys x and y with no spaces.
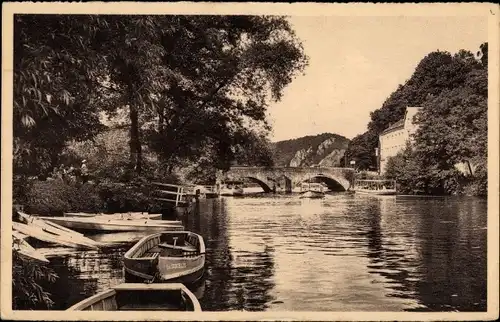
{"x":54,"y":197}
{"x":461,"y":186}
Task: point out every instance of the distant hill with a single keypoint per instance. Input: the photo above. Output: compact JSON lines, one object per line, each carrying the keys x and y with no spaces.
{"x":323,"y":149}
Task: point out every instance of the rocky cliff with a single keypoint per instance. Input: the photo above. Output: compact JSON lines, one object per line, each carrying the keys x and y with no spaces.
{"x":325,"y":149}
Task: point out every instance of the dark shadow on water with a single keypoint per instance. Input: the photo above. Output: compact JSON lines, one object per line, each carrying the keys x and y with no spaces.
{"x":438,"y":254}
{"x":228,"y":287}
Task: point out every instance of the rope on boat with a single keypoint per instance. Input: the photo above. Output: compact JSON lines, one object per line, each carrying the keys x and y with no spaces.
{"x":156,"y":276}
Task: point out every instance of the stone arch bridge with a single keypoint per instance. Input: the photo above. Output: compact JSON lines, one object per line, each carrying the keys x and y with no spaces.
{"x":337,"y":179}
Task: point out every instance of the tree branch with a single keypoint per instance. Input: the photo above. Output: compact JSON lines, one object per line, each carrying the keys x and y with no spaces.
{"x":110,"y":88}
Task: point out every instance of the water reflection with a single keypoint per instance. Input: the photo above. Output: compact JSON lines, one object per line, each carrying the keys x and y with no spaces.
{"x":428,"y":254}
{"x":342,"y":253}
{"x":236,"y":278}
{"x":84,"y":274}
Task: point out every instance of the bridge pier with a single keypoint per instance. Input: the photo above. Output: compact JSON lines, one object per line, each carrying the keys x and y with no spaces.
{"x":288,"y":185}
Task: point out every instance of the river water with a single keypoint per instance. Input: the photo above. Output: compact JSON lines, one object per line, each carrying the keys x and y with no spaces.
{"x":342,"y":253}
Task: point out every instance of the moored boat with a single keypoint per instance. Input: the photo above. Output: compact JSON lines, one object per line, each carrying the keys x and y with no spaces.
{"x":231,"y":192}
{"x":231,"y":188}
{"x":383,"y":192}
{"x":57,"y":230}
{"x":115,"y":224}
{"x":141,"y":297}
{"x":204,"y":192}
{"x":312,"y":190}
{"x":174,"y":256}
{"x":26,"y":250}
{"x":311,"y":194}
{"x":49,"y":237}
{"x":126,"y":215}
{"x":375,"y":187}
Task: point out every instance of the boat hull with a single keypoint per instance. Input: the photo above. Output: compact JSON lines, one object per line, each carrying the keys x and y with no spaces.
{"x":182,"y":270}
{"x":231,"y":193}
{"x":312,"y":195}
{"x":157,"y":258}
{"x":40,"y":234}
{"x":387,"y":192}
{"x":26,"y":250}
{"x":114,"y":225}
{"x":141,"y":297}
{"x":127,"y":215}
{"x":132,"y":276}
{"x":62,"y":232}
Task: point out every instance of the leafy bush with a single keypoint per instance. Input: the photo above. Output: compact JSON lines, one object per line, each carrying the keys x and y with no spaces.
{"x":366,"y":175}
{"x":415,"y":176}
{"x":86,"y":198}
{"x":56,"y":197}
{"x":120,"y":197}
{"x":478,"y":186}
{"x":27,"y":275}
{"x":49,"y":197}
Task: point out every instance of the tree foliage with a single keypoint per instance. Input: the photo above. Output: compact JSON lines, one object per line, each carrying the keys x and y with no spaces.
{"x":254,"y":149}
{"x":27,"y":279}
{"x":361,"y":150}
{"x":54,"y":88}
{"x":452,"y":130}
{"x":189,"y":83}
{"x":437,"y":72}
{"x":227,"y":70}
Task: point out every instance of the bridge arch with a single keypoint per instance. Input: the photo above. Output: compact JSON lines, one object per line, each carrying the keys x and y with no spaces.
{"x":337,"y":179}
{"x":331,"y":183}
{"x":261,"y":183}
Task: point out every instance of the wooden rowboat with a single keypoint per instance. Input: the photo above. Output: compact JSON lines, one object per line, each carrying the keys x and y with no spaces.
{"x":114,"y":224}
{"x":378,"y":187}
{"x":175,"y":256}
{"x":40,"y":234}
{"x":126,"y":215}
{"x":231,"y":191}
{"x":55,"y":229}
{"x":26,"y":250}
{"x":384,"y":192}
{"x":141,"y":297}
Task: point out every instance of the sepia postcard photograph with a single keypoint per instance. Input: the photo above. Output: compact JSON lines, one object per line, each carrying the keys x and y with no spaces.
{"x":250,"y":161}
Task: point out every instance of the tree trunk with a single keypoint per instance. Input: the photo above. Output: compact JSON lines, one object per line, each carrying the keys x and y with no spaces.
{"x":470,"y":168}
{"x":135,"y":143}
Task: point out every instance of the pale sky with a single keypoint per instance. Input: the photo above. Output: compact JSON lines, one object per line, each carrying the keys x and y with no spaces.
{"x":355,"y":63}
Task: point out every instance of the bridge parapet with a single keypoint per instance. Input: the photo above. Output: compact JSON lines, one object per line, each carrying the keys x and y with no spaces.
{"x":267,"y":176}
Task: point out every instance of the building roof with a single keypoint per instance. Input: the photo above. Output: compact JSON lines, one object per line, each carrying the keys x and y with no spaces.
{"x":395,"y":126}
{"x":401,"y":123}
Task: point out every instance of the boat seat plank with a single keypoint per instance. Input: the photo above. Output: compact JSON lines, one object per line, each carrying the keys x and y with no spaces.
{"x":187,"y":248}
{"x":155,"y":249}
{"x":153,"y":255}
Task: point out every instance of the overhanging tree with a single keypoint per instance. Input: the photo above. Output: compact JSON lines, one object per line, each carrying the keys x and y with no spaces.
{"x":55,"y":77}
{"x":226,"y":69}
{"x":203,"y":79}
